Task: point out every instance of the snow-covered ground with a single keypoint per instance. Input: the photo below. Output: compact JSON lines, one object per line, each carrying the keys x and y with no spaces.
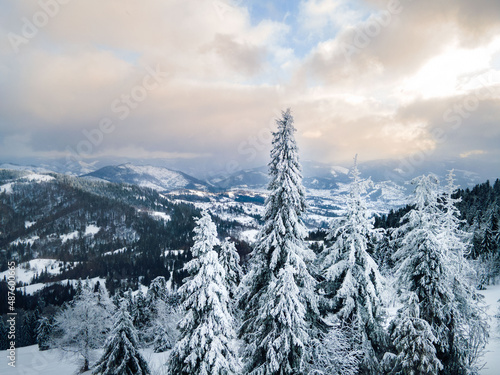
{"x":7,"y":188}
{"x":492,"y":356}
{"x":30,"y":361}
{"x":25,"y":271}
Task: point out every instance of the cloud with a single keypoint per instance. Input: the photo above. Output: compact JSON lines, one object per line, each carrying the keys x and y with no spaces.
{"x":472,"y":152}
{"x":228,"y":72}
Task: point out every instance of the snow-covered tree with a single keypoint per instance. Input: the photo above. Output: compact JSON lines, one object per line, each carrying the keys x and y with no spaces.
{"x":206,"y":345}
{"x":121,"y":354}
{"x":423,"y":266}
{"x":279,"y":292}
{"x":414,"y":342}
{"x":431,"y":265}
{"x":44,"y":330}
{"x":230,"y":261}
{"x":334,"y":352}
{"x":353,"y":283}
{"x":470,"y":329}
{"x":83,"y":325}
{"x":157,"y":290}
{"x":164,"y":327}
{"x":141,"y":316}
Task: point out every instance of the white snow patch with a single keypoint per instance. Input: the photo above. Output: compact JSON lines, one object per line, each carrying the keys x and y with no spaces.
{"x":28,"y":224}
{"x":117,"y":251}
{"x":6,"y":188}
{"x":160,"y":215}
{"x":249,"y":235}
{"x":38,"y":177}
{"x":492,"y":356}
{"x":91,"y":230}
{"x":26,"y":270}
{"x":69,"y":236}
{"x":30,"y":360}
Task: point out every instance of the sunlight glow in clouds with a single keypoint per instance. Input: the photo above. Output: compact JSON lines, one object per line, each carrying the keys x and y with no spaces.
{"x":233,"y":66}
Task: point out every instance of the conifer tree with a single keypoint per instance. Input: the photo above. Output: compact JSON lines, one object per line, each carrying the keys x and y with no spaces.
{"x":469,"y":333}
{"x":431,"y":265}
{"x":230,"y":261}
{"x":423,"y":266}
{"x":414,"y":341}
{"x":44,"y":330}
{"x":279,"y":298}
{"x":353,"y":283}
{"x":121,"y":354}
{"x":206,"y":345}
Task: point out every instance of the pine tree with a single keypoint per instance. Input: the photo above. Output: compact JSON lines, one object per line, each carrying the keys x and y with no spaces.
{"x":44,"y":330}
{"x":121,"y":354}
{"x":279,"y":298}
{"x":206,"y":345}
{"x":230,"y":261}
{"x":353,"y":283}
{"x":414,"y":342}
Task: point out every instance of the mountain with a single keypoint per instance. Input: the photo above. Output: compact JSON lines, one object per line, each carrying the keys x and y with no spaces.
{"x":157,"y":178}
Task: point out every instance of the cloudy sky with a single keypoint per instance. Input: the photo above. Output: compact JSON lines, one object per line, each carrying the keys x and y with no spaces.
{"x":203,"y":80}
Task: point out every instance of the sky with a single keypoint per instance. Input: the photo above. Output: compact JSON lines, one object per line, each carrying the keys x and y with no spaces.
{"x":204,"y":80}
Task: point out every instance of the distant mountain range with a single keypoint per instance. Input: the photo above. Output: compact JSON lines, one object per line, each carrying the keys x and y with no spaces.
{"x":316,"y":175}
{"x":157,"y":178}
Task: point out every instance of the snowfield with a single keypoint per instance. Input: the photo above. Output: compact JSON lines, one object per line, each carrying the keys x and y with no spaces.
{"x":31,"y":361}
{"x":492,"y":356}
{"x":25,"y":271}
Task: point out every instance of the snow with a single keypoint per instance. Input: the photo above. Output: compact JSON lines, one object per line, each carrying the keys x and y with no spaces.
{"x":6,"y":188}
{"x":31,"y":361}
{"x":492,"y":356}
{"x":33,"y":288}
{"x":117,"y":251}
{"x":91,"y":230}
{"x":28,"y":224}
{"x":29,"y":240}
{"x":26,"y":270}
{"x":36,"y":177}
{"x":69,"y":236}
{"x":249,"y":235}
{"x":160,"y":215}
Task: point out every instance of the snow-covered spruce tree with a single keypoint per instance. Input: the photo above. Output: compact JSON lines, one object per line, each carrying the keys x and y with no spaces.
{"x":121,"y":354}
{"x":352,"y":282}
{"x":414,"y":341}
{"x":83,"y":325}
{"x":424,"y":266}
{"x":141,"y":316}
{"x":206,"y":345}
{"x":471,"y":329}
{"x":43,"y":330}
{"x":230,"y":261}
{"x":157,"y":290}
{"x":279,"y":292}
